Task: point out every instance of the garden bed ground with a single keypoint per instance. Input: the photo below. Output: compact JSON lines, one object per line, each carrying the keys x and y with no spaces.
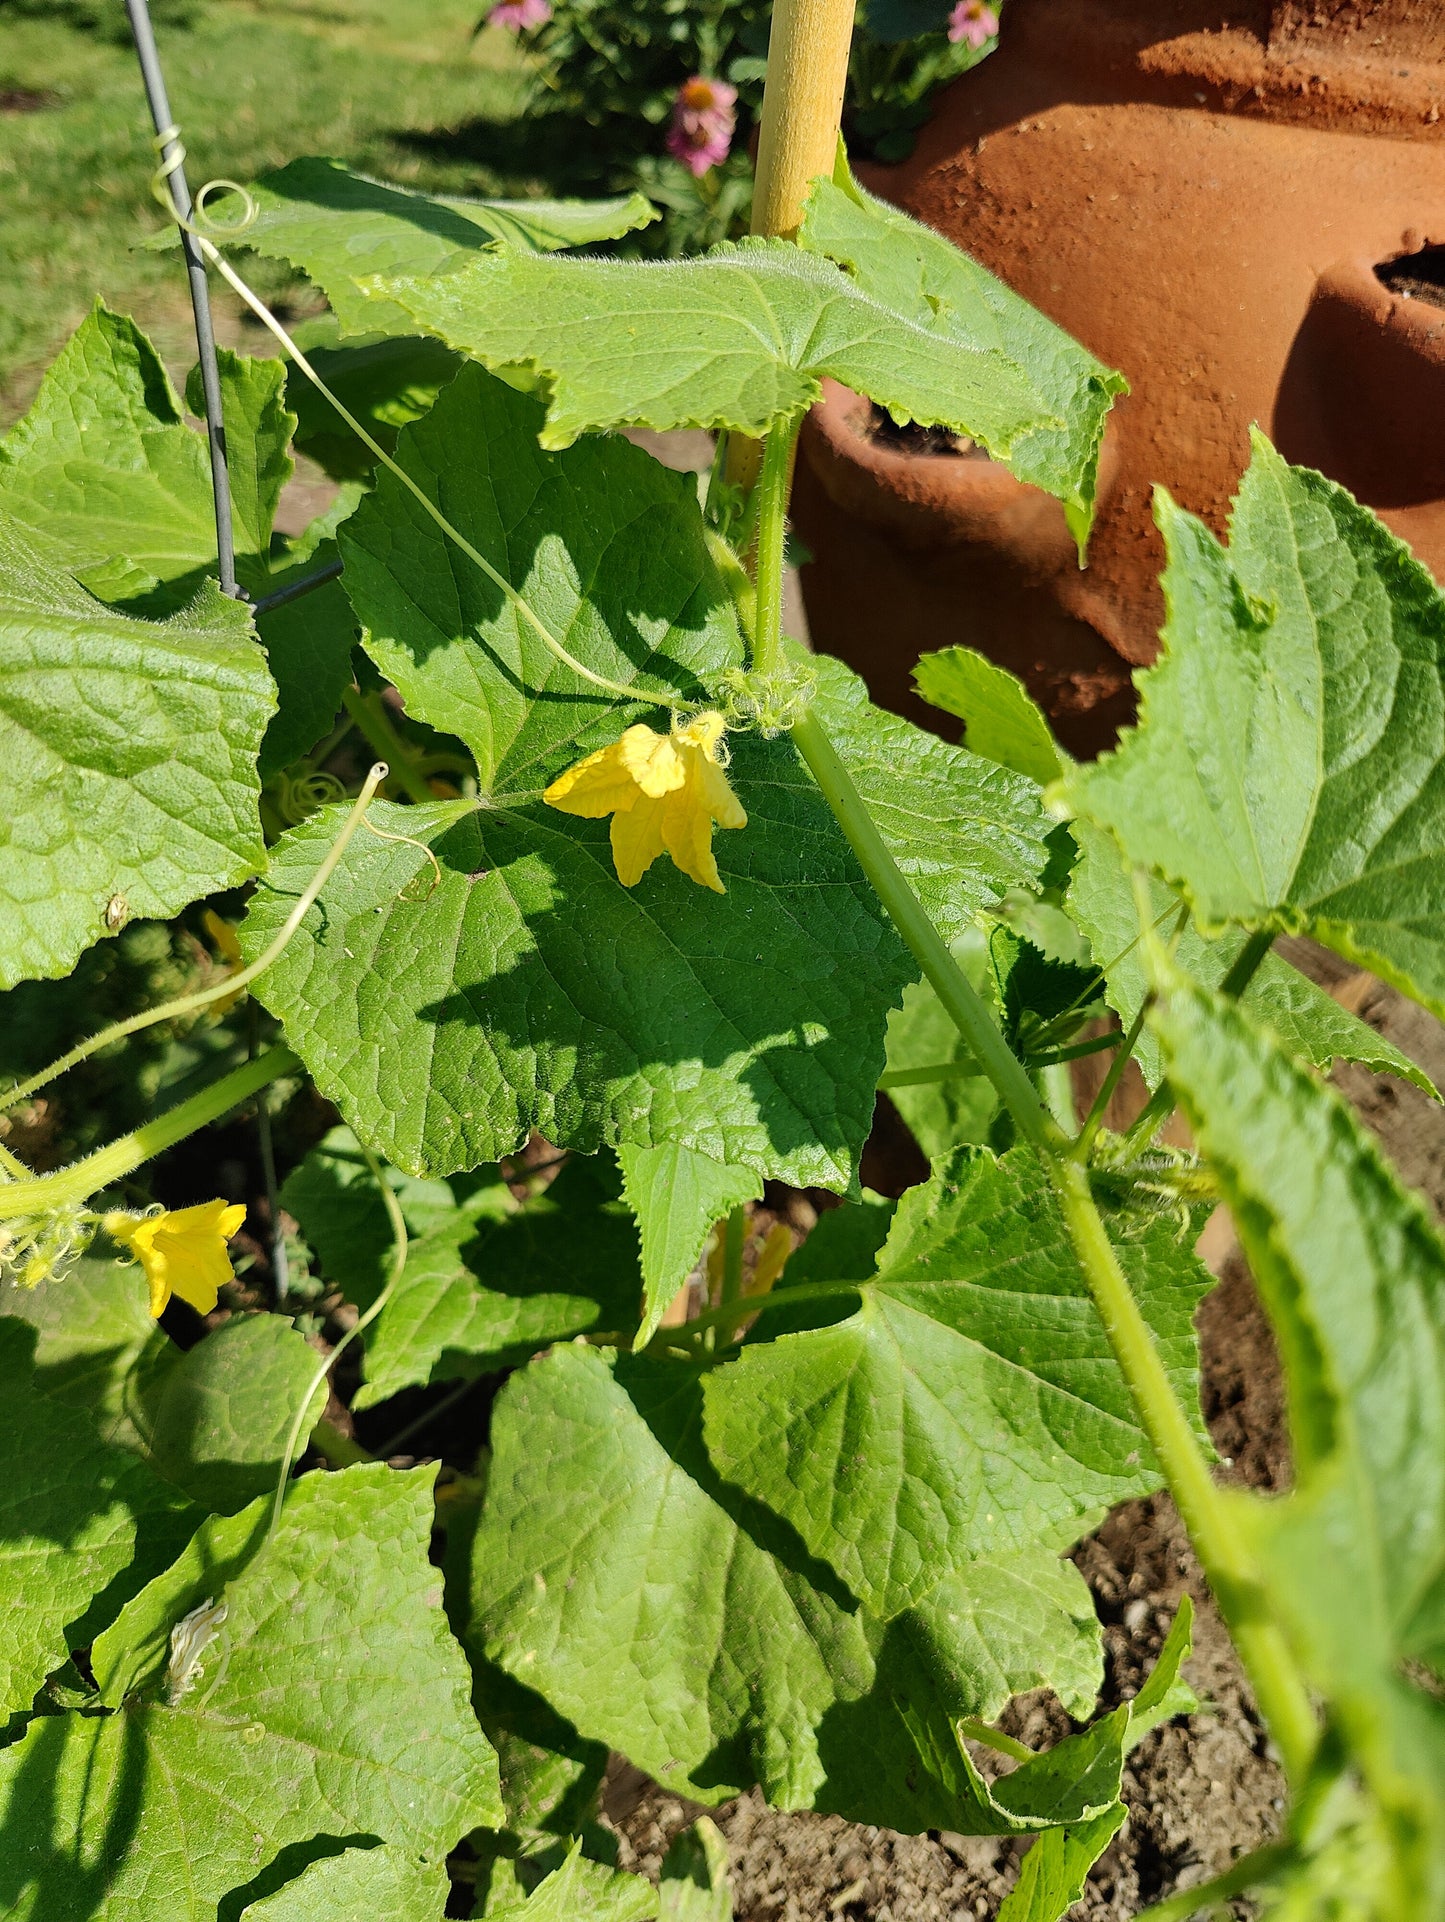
{"x":1201,"y":1793}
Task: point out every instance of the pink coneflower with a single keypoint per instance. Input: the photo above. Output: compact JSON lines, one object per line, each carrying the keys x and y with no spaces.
{"x":518,"y":15}
{"x":974,"y":22}
{"x":703,"y":122}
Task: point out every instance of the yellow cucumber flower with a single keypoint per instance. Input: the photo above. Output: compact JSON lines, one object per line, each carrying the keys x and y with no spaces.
{"x":182,"y":1251}
{"x":663,"y":791}
{"x":228,"y":946}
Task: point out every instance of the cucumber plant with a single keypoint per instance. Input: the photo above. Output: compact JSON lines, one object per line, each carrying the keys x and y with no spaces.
{"x":635,"y":875}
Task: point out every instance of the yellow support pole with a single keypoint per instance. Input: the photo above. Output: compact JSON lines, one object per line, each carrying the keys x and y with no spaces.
{"x":802,"y":107}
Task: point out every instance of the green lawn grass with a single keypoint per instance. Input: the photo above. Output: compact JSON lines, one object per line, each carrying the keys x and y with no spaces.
{"x":253,"y":83}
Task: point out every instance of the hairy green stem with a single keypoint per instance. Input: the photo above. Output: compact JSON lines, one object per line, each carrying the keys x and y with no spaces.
{"x":966,"y":1070}
{"x":1278,"y":1688}
{"x":950,"y":984}
{"x":774,"y":484}
{"x":44,"y":1194}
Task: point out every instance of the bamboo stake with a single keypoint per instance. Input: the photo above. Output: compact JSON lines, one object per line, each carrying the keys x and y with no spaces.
{"x":802,"y":107}
{"x":807,"y":68}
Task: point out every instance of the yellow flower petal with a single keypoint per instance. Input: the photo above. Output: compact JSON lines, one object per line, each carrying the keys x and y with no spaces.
{"x":636,"y":842}
{"x":182,"y":1251}
{"x":664,"y":793}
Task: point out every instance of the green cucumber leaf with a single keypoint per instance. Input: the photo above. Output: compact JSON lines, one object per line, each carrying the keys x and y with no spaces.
{"x":739,"y":339}
{"x":220,"y":1414}
{"x":527,"y":989}
{"x":1309,"y":1022}
{"x":677,"y":1197}
{"x":1053,"y":1873}
{"x":1352,"y":1270}
{"x":130,"y":752}
{"x":339,"y":227}
{"x":490,"y":1288}
{"x":913,"y":271}
{"x":258,"y":435}
{"x":333,"y":1703}
{"x":604,"y":545}
{"x":107,"y":478}
{"x":970,"y":1406}
{"x":663,"y":1613}
{"x":384,"y":382}
{"x":1001,"y":720}
{"x":96,"y":1346}
{"x":1056,"y":1868}
{"x":385,"y":1881}
{"x":578,"y":1891}
{"x":79,"y":1519}
{"x":343,"y":1217}
{"x":105,"y":470}
{"x":963,"y":830}
{"x":1288,"y":769}
{"x":695,"y":1884}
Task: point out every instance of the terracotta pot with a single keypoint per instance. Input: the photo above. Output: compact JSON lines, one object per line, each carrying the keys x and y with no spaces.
{"x":1237,"y":206}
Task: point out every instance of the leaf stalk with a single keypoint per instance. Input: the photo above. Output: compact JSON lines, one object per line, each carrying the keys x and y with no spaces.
{"x":46,"y":1194}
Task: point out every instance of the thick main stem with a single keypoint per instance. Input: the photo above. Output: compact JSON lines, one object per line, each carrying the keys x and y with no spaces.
{"x":950,"y":984}
{"x":1278,"y":1689}
{"x":43,"y":1194}
{"x":774,"y":487}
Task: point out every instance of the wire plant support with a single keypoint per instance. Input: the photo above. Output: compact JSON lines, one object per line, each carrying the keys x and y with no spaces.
{"x":173,"y":172}
{"x":172,"y":155}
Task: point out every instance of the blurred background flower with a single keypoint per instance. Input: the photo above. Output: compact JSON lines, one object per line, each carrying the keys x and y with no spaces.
{"x":704,"y":119}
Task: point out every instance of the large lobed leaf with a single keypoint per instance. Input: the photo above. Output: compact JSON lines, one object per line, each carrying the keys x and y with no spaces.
{"x":1353,"y":1271}
{"x":604,"y":545}
{"x":539,"y":991}
{"x":915,"y":272}
{"x":104,"y":468}
{"x":129,"y":750}
{"x":668,"y":1615}
{"x":112,"y":484}
{"x":742,"y":339}
{"x":527,"y":989}
{"x":1288,"y":771}
{"x":1310,"y":1023}
{"x":340,"y":227}
{"x":333,"y":1703}
{"x":971,"y":1405}
{"x":76,"y":1513}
